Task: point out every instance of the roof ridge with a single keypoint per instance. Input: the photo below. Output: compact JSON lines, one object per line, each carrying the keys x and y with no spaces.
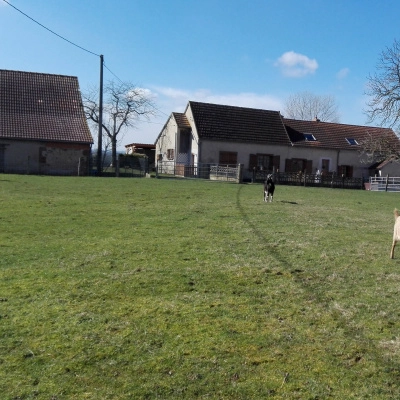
{"x":237,"y":107}
{"x":37,"y":73}
{"x":333,"y":123}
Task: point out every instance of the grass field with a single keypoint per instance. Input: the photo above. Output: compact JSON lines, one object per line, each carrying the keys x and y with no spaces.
{"x":183,"y":289}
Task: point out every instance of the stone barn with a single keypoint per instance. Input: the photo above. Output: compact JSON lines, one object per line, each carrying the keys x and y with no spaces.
{"x":43,"y":129}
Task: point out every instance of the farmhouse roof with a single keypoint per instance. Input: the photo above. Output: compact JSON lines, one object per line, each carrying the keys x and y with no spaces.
{"x":44,"y":107}
{"x":225,"y":123}
{"x":333,"y":135}
{"x":238,"y":124}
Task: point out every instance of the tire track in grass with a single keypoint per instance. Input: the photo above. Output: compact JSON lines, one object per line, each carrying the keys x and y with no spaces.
{"x":359,"y":340}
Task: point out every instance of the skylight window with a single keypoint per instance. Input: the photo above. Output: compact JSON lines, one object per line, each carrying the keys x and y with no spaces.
{"x":352,"y":142}
{"x":309,"y":137}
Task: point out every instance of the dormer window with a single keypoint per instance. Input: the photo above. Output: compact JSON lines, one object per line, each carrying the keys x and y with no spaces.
{"x":309,"y":137}
{"x":352,"y":142}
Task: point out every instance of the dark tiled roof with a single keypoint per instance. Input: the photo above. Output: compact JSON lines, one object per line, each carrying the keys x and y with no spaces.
{"x":35,"y":106}
{"x":332,"y":135}
{"x":181,"y":120}
{"x":238,"y":124}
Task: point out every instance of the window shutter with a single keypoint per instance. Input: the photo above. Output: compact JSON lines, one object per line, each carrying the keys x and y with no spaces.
{"x":309,"y":166}
{"x":227,"y":158}
{"x":350,"y":171}
{"x":288,"y":165}
{"x":252,"y":162}
{"x":276,"y":162}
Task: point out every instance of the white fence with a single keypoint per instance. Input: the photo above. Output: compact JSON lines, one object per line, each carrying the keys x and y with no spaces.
{"x":384,"y":184}
{"x":204,"y":171}
{"x":224,"y":173}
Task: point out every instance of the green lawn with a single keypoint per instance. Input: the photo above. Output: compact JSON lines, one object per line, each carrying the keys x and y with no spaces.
{"x":181,"y":289}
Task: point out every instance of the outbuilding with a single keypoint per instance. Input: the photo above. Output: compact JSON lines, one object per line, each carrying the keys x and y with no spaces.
{"x":43,"y":129}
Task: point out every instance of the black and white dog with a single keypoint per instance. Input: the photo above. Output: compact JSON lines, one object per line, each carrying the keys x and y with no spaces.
{"x":269,"y":188}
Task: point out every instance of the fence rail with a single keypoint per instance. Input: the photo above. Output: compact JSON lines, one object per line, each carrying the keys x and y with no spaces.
{"x":215,"y":172}
{"x":384,"y":184}
{"x":331,"y":180}
{"x":234,"y":174}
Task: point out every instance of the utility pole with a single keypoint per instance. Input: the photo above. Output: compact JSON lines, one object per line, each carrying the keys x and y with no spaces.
{"x":100,"y":134}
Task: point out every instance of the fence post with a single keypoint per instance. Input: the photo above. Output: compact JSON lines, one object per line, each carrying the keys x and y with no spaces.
{"x":239,"y":176}
{"x":387,"y":182}
{"x":305,"y":177}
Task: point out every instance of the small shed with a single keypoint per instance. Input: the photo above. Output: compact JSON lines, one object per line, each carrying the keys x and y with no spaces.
{"x":149,"y":150}
{"x":384,"y":168}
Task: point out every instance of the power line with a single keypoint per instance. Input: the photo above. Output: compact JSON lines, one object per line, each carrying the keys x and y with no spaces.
{"x":109,"y":70}
{"x":54,"y":33}
{"x":74,"y":44}
{"x":150,"y":122}
{"x":121,"y":81}
{"x":69,"y":41}
{"x":162,"y":112}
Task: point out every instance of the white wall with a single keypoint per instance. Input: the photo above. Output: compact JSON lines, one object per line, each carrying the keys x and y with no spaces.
{"x":210,"y":154}
{"x":207,"y":152}
{"x":167,"y":139}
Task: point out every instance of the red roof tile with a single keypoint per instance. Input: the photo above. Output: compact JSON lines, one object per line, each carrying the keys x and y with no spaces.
{"x":36,"y":106}
{"x":332,"y":135}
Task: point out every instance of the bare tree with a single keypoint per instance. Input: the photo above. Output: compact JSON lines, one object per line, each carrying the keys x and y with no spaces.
{"x":308,"y":106}
{"x":123,"y":105}
{"x":379,"y":148}
{"x":384,"y":88}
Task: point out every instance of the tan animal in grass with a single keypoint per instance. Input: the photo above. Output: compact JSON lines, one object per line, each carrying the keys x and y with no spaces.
{"x":396,"y":231}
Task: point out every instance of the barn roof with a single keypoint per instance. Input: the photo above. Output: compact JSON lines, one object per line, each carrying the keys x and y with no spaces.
{"x":45,"y":107}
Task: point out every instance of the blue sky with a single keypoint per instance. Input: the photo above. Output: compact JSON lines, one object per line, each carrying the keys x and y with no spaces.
{"x":250,"y":53}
